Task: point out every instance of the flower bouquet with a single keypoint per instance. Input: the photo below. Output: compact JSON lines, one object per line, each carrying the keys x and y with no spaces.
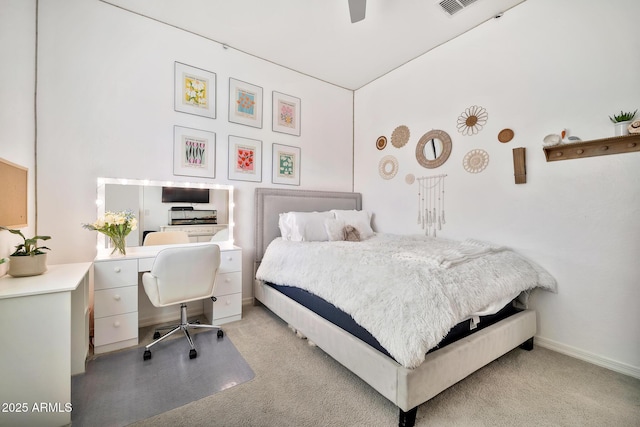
{"x":116,"y":226}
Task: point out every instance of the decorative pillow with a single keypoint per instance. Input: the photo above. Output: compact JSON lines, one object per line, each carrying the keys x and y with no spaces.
{"x":361,"y":220}
{"x":334,"y":229}
{"x":308,"y":226}
{"x":351,"y":234}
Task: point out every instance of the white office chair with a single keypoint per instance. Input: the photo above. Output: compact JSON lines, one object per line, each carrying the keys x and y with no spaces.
{"x":165,"y":238}
{"x":180,"y":275}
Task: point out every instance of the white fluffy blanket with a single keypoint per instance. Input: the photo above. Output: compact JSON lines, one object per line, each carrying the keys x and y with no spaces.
{"x":407,"y":291}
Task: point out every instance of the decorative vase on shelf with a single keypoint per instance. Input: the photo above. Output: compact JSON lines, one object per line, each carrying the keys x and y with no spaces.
{"x":622,"y":128}
{"x":24,"y":266}
{"x":119,"y":245}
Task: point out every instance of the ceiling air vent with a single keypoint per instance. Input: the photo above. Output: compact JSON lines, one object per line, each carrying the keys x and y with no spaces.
{"x":454,"y":6}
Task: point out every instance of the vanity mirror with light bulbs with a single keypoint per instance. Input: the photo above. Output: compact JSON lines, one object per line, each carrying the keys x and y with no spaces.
{"x":201,"y":220}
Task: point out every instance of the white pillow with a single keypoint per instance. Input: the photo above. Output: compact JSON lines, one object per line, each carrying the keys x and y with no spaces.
{"x":284,"y":223}
{"x":361,"y":220}
{"x":308,"y":226}
{"x":335,"y":229}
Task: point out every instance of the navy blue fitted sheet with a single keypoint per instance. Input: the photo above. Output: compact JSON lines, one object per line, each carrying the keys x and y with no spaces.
{"x":343,"y":320}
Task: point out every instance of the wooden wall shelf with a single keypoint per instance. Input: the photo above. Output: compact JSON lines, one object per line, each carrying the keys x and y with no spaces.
{"x":596,"y":147}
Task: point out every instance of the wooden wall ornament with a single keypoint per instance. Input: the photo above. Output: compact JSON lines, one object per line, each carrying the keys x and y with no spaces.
{"x":519,"y":165}
{"x":431,"y":154}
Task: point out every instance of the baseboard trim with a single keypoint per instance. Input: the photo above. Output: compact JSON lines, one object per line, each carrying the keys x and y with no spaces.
{"x":604,"y":362}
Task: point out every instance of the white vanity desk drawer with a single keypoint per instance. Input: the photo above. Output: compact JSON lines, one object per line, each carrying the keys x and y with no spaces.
{"x":108,"y":302}
{"x":230,"y":261}
{"x":228,"y":283}
{"x":115,"y":274}
{"x":114,"y":329}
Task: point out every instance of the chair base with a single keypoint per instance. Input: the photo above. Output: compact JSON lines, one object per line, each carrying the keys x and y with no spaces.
{"x":184,"y":327}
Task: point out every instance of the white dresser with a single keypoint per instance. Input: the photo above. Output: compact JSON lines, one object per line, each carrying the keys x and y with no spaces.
{"x":116,"y":294}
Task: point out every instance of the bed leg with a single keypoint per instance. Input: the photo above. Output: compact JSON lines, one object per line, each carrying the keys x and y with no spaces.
{"x":408,"y":419}
{"x":527,"y":345}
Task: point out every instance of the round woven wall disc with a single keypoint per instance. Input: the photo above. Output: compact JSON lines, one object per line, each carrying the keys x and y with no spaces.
{"x":505,"y":135}
{"x":400,"y":136}
{"x":381,"y":142}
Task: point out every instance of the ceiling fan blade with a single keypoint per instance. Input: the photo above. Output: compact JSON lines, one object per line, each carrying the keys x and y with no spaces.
{"x":357,"y":10}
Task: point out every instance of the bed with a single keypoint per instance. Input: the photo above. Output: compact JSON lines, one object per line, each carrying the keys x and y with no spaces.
{"x":406,"y":387}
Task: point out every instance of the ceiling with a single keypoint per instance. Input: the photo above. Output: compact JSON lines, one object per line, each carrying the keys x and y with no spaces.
{"x":317,"y":38}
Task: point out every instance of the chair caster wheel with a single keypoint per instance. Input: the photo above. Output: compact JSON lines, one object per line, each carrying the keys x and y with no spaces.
{"x":220,"y":333}
{"x":146,"y":355}
{"x":193,"y":354}
{"x":156,"y":335}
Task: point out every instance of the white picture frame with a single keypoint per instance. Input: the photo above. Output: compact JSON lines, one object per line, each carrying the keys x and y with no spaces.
{"x":245,"y":159}
{"x":286,"y":113}
{"x":194,"y":152}
{"x":245,"y":103}
{"x":285,"y":164}
{"x":194,"y":90}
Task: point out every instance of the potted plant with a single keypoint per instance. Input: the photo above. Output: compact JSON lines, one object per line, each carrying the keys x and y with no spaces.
{"x":621,"y":122}
{"x":28,"y":259}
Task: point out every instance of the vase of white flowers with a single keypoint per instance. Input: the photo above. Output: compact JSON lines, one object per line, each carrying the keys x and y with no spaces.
{"x":116,"y":226}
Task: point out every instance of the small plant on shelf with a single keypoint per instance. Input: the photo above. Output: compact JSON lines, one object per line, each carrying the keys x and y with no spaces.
{"x":29,"y":247}
{"x":623,"y":117}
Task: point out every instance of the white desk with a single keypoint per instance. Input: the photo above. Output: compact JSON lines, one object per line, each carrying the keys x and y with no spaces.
{"x":44,"y":339}
{"x":116,"y":291}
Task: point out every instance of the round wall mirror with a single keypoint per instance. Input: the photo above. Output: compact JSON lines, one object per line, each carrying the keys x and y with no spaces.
{"x":433,"y":149}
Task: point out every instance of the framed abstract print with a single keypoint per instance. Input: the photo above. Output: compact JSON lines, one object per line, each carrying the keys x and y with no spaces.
{"x":245,"y":159}
{"x":194,"y":152}
{"x":195,"y":91}
{"x":245,"y":103}
{"x":286,"y":165}
{"x":286,"y":113}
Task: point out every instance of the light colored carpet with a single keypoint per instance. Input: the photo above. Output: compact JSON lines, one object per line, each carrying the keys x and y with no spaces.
{"x":299,"y":385}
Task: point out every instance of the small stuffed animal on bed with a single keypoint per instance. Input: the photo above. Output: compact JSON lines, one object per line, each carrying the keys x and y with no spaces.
{"x":351,"y":234}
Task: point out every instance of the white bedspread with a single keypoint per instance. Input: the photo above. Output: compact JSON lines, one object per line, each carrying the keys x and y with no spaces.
{"x":407,"y":291}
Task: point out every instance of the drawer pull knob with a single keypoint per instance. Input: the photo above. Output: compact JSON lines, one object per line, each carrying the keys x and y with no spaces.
{"x":116,"y":324}
{"x":116,"y":297}
{"x":230,"y":259}
{"x":117,"y":269}
{"x":228,"y":302}
{"x":227,"y":280}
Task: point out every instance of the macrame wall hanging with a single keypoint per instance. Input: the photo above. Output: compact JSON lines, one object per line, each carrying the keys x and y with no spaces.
{"x":431,"y":203}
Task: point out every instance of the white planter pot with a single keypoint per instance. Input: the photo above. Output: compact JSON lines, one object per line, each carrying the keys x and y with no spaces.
{"x":622,"y":128}
{"x":22,"y":266}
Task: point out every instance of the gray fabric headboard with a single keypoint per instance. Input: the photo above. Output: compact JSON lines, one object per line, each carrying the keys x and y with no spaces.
{"x":270,"y":202}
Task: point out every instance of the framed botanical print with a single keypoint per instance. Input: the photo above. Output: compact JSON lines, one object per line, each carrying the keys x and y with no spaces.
{"x":286,"y":165}
{"x":194,"y":152}
{"x":245,"y":159}
{"x":286,"y":113}
{"x":245,"y":103}
{"x":195,"y":91}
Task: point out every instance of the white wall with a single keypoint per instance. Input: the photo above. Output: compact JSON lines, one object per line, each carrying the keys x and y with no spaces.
{"x":105,"y":109}
{"x":546,"y":65}
{"x":17,"y":100}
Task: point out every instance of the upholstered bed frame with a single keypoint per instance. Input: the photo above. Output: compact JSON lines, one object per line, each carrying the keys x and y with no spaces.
{"x":406,"y":388}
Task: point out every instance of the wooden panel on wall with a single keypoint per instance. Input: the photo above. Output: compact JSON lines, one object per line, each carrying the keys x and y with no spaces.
{"x":13,"y":194}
